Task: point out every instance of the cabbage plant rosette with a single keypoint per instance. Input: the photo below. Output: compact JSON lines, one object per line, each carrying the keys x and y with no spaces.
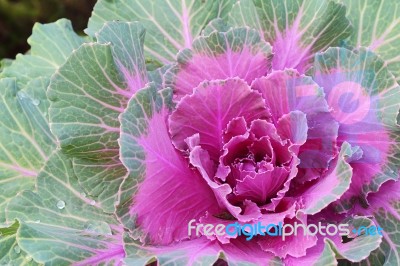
{"x":239,"y":143}
{"x":258,"y":146}
{"x":177,"y":114}
{"x":267,"y":150}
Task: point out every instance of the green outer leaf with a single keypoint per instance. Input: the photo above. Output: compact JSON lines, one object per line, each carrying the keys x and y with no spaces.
{"x":385,"y":207}
{"x":10,"y":252}
{"x":85,"y":102}
{"x":25,"y":138}
{"x":275,"y":261}
{"x":179,"y":257}
{"x":359,"y":247}
{"x":336,"y":251}
{"x":377,"y":26}
{"x":336,"y":182}
{"x":127,"y":48}
{"x":185,"y":253}
{"x":157,"y":76}
{"x":51,"y":44}
{"x":390,"y":170}
{"x":55,"y":234}
{"x":322,"y":23}
{"x":134,"y":123}
{"x":232,"y":40}
{"x":101,"y":179}
{"x":93,"y":87}
{"x":369,"y":70}
{"x":390,"y":247}
{"x":5,"y":62}
{"x":103,"y":76}
{"x":327,"y":257}
{"x":127,"y":45}
{"x":136,"y":253}
{"x":217,"y":24}
{"x":171,"y":24}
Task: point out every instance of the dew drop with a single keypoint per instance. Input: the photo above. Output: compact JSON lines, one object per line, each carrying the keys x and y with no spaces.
{"x":17,"y":249}
{"x":35,"y":102}
{"x":37,"y":221}
{"x":83,"y":194}
{"x":28,"y":258}
{"x":92,"y":202}
{"x":22,"y":95}
{"x":61,"y":204}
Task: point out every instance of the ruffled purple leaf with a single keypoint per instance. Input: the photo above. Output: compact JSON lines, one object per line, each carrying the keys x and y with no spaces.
{"x":145,"y":147}
{"x":208,"y":111}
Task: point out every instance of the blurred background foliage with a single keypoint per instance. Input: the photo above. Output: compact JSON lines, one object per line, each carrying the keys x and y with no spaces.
{"x":18,"y":16}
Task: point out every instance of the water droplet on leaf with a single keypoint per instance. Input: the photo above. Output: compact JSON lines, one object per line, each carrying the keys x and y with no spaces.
{"x":35,"y":102}
{"x":92,"y":202}
{"x":22,"y":95}
{"x":17,"y":249}
{"x":83,"y":194}
{"x":61,"y":204}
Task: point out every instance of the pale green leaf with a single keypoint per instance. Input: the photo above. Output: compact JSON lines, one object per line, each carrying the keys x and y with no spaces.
{"x":25,"y":138}
{"x":295,"y":29}
{"x":377,"y":26}
{"x":51,"y":44}
{"x":59,"y":225}
{"x":327,"y":257}
{"x":101,"y":179}
{"x":171,"y":25}
{"x":376,"y":113}
{"x":10,"y":252}
{"x":87,"y":95}
{"x":334,"y":184}
{"x":127,"y":46}
{"x":360,"y":246}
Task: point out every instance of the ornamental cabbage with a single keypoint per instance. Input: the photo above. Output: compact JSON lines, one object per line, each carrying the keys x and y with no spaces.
{"x":124,"y":146}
